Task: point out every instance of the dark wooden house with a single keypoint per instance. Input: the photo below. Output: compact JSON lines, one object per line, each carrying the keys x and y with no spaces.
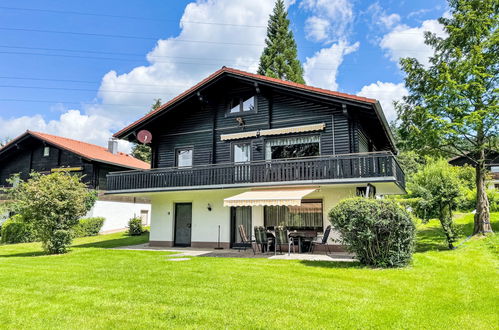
{"x":272,"y":152}
{"x":45,"y":153}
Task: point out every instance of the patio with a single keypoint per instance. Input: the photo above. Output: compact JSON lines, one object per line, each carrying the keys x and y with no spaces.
{"x":185,"y":253}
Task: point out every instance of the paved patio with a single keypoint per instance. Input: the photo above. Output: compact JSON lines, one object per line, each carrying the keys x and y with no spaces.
{"x":231,"y":253}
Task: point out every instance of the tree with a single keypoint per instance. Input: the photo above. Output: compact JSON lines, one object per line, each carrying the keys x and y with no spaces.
{"x":280,"y":56}
{"x":54,"y":204}
{"x":452,"y":106}
{"x":437,"y":188}
{"x":143,"y":151}
{"x":4,"y":142}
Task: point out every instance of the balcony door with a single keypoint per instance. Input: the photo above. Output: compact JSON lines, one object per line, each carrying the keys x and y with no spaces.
{"x":240,"y":215}
{"x":241,"y":154}
{"x":183,"y":224}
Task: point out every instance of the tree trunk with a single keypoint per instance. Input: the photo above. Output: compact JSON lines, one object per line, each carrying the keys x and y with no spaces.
{"x":482,"y":215}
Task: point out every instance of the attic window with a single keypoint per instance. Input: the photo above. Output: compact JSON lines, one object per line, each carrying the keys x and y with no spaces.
{"x":46,"y":151}
{"x":241,"y":105}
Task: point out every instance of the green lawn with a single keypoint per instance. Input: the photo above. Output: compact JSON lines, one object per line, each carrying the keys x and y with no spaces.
{"x":93,"y":287}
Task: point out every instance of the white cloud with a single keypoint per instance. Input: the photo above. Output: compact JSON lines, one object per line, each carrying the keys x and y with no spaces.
{"x":379,"y":17}
{"x":71,"y":124}
{"x":386,"y":93}
{"x":404,"y":41}
{"x":331,"y":20}
{"x":175,"y":65}
{"x":321,"y":69}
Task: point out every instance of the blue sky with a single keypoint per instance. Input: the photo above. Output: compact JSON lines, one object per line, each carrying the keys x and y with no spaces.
{"x":80,"y":68}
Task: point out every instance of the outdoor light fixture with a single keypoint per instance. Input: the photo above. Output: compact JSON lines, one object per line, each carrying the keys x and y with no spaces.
{"x":209,"y":207}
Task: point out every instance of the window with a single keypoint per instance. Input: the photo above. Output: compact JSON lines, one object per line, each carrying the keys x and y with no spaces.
{"x":307,"y":216}
{"x":242,"y":153}
{"x":184,"y":157}
{"x":241,"y":105}
{"x":494,"y":169}
{"x":46,"y":151}
{"x":292,"y":147}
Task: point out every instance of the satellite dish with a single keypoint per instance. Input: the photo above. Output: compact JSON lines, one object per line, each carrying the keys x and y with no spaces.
{"x":144,"y":136}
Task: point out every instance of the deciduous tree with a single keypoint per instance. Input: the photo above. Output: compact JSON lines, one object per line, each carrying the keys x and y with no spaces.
{"x":452,"y":106}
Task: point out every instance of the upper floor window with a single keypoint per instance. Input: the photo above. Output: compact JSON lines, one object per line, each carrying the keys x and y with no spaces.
{"x":292,"y":147}
{"x":241,"y":105}
{"x":46,"y":151}
{"x":183,"y":157}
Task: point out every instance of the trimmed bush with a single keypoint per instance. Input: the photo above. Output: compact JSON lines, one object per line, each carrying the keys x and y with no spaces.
{"x":88,"y":227}
{"x":135,"y":227}
{"x":15,"y":230}
{"x":58,"y":242}
{"x":380,"y":232}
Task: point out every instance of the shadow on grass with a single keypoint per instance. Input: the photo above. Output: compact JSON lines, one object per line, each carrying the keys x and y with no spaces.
{"x":331,"y":264}
{"x":117,"y":242}
{"x":24,"y":254}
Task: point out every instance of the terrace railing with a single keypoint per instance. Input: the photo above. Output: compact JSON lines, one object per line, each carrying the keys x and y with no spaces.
{"x":348,"y":167}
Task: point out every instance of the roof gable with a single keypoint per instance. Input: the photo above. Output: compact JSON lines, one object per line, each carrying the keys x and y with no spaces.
{"x":243,"y":74}
{"x":86,"y":150}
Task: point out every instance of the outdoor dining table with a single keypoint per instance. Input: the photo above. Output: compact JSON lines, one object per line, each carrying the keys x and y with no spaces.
{"x":302,"y":236}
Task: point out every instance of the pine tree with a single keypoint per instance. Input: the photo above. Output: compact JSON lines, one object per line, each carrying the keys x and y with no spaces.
{"x":280,"y":56}
{"x":143,"y":151}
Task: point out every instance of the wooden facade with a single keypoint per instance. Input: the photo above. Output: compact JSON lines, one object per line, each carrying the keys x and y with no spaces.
{"x":30,"y":154}
{"x":198,"y":121}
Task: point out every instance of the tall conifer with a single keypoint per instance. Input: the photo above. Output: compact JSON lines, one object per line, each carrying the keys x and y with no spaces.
{"x":280,"y":56}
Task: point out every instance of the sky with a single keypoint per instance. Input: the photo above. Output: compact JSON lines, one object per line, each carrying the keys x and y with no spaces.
{"x":85,"y":69}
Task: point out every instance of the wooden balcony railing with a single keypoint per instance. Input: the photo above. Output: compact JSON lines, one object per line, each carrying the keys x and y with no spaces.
{"x":322,"y":169}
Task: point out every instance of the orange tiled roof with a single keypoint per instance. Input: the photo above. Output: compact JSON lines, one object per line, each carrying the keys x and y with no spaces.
{"x":251,"y":75}
{"x":92,"y":151}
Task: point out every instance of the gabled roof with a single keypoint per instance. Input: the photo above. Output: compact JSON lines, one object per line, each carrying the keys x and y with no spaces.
{"x":226,"y":70}
{"x":86,"y":150}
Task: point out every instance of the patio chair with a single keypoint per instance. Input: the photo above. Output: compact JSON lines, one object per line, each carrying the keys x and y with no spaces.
{"x":282,"y":238}
{"x":322,"y":241}
{"x":261,"y":238}
{"x":245,"y":240}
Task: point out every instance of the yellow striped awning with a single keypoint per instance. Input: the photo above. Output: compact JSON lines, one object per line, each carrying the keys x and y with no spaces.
{"x":236,"y":136}
{"x":293,"y":129}
{"x":270,"y":197}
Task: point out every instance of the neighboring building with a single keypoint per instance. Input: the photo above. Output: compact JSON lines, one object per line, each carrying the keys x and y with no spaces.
{"x":244,"y":149}
{"x":492,"y":164}
{"x":45,"y":153}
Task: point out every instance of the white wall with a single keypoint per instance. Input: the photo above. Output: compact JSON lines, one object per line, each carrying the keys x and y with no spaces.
{"x":117,"y":214}
{"x":205,"y":223}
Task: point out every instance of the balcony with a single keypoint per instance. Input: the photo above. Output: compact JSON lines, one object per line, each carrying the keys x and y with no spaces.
{"x":348,"y":168}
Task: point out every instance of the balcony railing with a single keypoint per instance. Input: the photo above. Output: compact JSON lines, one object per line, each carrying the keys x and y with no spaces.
{"x":358,"y":167}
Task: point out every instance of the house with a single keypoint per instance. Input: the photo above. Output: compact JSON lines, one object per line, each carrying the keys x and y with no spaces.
{"x":244,"y":149}
{"x":491,"y":163}
{"x":45,"y":153}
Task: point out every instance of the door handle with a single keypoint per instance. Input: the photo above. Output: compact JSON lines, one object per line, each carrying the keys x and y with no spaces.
{"x":188,"y":225}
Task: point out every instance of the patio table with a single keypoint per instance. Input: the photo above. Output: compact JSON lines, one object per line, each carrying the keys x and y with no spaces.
{"x":302,"y":236}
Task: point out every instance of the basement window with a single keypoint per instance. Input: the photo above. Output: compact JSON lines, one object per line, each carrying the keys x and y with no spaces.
{"x":46,"y":151}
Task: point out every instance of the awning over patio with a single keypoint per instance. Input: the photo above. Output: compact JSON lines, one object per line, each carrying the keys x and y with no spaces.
{"x":270,"y":197}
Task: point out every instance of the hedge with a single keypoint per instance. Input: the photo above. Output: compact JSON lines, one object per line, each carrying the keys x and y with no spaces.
{"x":88,"y":227}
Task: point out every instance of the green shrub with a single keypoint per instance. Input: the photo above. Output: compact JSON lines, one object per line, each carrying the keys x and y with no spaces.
{"x":380,"y":232}
{"x":59,"y":242}
{"x":16,"y":230}
{"x":88,"y":227}
{"x":467,"y":203}
{"x":135,"y":227}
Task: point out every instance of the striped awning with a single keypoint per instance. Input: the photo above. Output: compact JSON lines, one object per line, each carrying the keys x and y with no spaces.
{"x":236,"y":136}
{"x":293,"y":129}
{"x":270,"y":197}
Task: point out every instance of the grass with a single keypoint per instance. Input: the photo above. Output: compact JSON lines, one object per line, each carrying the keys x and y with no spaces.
{"x":93,"y":287}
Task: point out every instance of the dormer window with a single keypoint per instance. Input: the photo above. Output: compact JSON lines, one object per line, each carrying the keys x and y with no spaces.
{"x":46,"y":151}
{"x":242,"y":105}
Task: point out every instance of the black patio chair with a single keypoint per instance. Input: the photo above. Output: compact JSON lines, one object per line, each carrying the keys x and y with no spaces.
{"x":245,"y":240}
{"x":323,"y":241}
{"x":261,"y":239}
{"x":282,"y":238}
